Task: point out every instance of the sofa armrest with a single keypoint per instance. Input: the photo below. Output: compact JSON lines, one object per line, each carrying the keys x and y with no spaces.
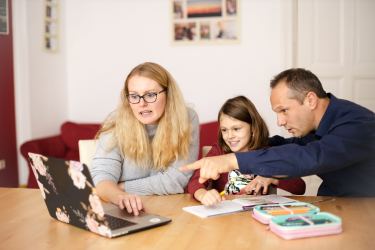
{"x":208,"y":135}
{"x":48,"y":146}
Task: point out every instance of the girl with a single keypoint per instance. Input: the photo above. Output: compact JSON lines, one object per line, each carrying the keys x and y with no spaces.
{"x":241,"y":129}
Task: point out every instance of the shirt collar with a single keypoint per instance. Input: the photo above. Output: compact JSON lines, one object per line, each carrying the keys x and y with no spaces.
{"x":328,"y":116}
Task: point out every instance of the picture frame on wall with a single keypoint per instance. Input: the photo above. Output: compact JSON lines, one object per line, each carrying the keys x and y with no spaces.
{"x":4,"y":18}
{"x":51,"y":26}
{"x":205,"y":21}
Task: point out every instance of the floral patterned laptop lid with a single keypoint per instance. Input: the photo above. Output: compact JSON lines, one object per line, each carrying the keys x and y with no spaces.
{"x":71,"y":197}
{"x":69,"y":179}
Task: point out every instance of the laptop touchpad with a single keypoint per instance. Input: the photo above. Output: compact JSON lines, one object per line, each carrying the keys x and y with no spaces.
{"x":115,"y":211}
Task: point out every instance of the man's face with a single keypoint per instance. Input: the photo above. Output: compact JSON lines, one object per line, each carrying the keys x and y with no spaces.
{"x":296,"y":118}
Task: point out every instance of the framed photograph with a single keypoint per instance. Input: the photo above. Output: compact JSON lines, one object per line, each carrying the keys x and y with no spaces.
{"x":205,"y":21}
{"x":185,"y":31}
{"x":4,"y":19}
{"x":204,"y":8}
{"x":51,"y":11}
{"x":51,"y":25}
{"x":51,"y":43}
{"x":51,"y":28}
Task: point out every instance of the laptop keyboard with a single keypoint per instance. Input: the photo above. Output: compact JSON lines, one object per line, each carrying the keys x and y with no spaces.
{"x":116,"y":223}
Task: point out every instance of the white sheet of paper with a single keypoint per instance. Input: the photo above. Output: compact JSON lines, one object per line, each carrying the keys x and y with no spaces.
{"x":235,"y":205}
{"x":224,"y":207}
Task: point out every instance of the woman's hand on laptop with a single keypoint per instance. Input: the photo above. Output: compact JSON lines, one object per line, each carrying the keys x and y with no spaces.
{"x":113,"y":192}
{"x":131,"y":202}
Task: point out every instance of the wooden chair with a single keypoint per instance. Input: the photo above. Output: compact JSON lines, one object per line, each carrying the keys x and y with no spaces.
{"x":86,"y":151}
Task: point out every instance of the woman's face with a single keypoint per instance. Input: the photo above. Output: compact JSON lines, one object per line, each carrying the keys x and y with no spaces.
{"x":235,"y":133}
{"x":146,"y":112}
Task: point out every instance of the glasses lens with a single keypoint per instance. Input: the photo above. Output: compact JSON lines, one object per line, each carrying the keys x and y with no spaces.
{"x":150,"y":97}
{"x":133,"y":98}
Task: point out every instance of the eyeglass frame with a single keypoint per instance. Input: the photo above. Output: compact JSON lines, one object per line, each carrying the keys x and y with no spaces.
{"x":143,"y":96}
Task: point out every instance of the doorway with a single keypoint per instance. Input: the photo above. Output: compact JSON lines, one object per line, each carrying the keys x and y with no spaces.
{"x":8,"y":145}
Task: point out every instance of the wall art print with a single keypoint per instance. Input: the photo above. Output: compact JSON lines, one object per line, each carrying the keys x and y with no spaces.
{"x":205,"y":21}
{"x":51,"y":25}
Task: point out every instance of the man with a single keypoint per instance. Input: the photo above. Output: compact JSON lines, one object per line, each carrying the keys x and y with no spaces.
{"x":333,"y":138}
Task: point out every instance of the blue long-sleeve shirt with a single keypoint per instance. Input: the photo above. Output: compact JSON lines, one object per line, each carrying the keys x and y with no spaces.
{"x":341,"y":152}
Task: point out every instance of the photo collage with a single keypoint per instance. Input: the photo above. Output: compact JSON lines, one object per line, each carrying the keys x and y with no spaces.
{"x":51,"y":22}
{"x":205,"y":21}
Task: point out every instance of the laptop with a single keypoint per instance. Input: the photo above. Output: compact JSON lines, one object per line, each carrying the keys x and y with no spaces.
{"x":70,"y":196}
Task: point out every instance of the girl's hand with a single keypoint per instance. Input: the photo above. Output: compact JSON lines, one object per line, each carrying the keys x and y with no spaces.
{"x":259,"y":182}
{"x":209,"y":197}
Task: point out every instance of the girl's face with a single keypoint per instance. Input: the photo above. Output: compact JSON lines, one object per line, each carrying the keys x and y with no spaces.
{"x":151,"y":106}
{"x":235,"y":133}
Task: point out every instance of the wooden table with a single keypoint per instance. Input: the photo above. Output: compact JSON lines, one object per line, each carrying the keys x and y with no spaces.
{"x":25,"y":224}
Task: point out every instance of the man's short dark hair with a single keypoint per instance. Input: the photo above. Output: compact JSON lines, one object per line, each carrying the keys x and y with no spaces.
{"x":300,"y":81}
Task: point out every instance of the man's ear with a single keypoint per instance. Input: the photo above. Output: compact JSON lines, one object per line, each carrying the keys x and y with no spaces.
{"x":312,"y":100}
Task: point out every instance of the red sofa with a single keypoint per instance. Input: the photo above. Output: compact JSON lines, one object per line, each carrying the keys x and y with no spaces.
{"x":65,"y":145}
{"x":207,"y":135}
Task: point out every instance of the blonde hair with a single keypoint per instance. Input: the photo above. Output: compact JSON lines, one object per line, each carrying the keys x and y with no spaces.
{"x":172,"y":138}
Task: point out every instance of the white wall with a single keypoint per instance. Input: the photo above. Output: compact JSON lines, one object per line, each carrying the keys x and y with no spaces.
{"x":47,"y":75}
{"x":40,"y":77}
{"x":102,"y":40}
{"x":106,"y":39}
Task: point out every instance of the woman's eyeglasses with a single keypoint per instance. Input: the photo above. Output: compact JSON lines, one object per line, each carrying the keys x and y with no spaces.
{"x":148,"y":97}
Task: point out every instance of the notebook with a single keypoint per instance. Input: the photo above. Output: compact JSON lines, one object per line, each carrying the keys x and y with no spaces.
{"x":248,"y":202}
{"x":236,"y":205}
{"x":224,"y":207}
{"x":70,"y":196}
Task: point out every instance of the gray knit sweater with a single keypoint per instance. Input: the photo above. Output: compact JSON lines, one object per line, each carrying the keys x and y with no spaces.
{"x":111,"y":165}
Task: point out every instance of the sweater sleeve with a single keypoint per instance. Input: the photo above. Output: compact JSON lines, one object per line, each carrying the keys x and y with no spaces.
{"x":172,"y":180}
{"x":194,"y":184}
{"x":106,"y":163}
{"x":218,"y":184}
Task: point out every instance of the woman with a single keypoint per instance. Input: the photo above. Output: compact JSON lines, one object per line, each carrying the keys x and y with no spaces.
{"x":241,"y":129}
{"x":144,"y":142}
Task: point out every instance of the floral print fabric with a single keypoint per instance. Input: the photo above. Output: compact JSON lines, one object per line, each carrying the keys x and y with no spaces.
{"x":237,"y":181}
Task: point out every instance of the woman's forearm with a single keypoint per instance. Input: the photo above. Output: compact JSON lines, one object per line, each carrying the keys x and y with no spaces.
{"x":109,"y":191}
